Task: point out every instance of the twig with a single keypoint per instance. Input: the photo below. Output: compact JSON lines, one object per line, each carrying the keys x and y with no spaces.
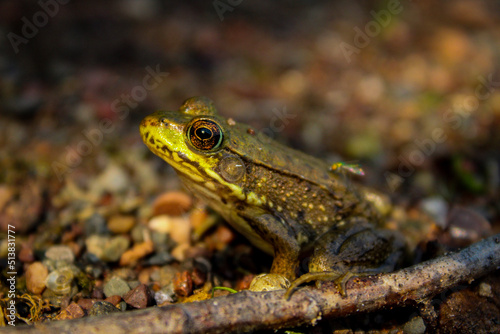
{"x":247,"y":311}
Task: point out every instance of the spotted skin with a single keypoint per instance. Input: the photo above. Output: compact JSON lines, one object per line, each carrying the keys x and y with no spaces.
{"x":284,"y":201}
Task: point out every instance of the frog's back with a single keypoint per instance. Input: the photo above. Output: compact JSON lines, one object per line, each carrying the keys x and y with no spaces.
{"x":262,"y":150}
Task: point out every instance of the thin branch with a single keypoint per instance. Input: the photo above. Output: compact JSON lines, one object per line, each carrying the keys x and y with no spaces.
{"x":247,"y":311}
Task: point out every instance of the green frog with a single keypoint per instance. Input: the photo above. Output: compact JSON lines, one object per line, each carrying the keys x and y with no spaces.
{"x":284,"y":201}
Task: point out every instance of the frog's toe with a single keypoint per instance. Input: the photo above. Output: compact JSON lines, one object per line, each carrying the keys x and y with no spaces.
{"x":340,"y":280}
{"x":269,"y":282}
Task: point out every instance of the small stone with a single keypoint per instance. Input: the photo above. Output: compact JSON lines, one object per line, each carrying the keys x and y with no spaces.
{"x":165,"y":295}
{"x":437,"y":208}
{"x":102,"y":308}
{"x":172,"y":203}
{"x":121,"y":224}
{"x":198,"y":217}
{"x":162,"y":242}
{"x":116,"y":286}
{"x":179,"y":252}
{"x":183,"y":284}
{"x":26,"y":255}
{"x":115,"y":300}
{"x":86,"y":303}
{"x":485,"y":290}
{"x":95,"y":224}
{"x":96,"y":244}
{"x":60,"y":253}
{"x":166,"y":275}
{"x":114,"y":248}
{"x":136,"y":253}
{"x":139,"y":232}
{"x":97,"y":293}
{"x":113,"y":179}
{"x":73,"y":311}
{"x":414,"y":326}
{"x":161,"y":224}
{"x":140,"y":297}
{"x":181,"y":230}
{"x":35,"y":277}
{"x":145,"y":274}
{"x":199,"y":277}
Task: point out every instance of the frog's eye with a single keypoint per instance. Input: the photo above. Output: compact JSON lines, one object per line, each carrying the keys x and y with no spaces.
{"x":205,"y":135}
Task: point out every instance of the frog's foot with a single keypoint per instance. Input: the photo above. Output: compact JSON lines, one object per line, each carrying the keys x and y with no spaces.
{"x":269,"y":282}
{"x":340,"y":280}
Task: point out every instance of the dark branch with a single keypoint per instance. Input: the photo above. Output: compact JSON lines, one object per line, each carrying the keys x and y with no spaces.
{"x":246,"y":311}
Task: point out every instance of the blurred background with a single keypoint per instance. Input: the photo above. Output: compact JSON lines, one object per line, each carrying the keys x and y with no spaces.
{"x":410,"y":90}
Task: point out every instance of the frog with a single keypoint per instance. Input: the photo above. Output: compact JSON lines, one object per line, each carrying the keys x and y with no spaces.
{"x":286,"y":202}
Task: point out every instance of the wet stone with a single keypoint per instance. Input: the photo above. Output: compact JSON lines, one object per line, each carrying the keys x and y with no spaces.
{"x":72,"y":311}
{"x":102,"y":308}
{"x":60,"y":253}
{"x":140,"y":297}
{"x":35,"y":277}
{"x":165,"y":295}
{"x":121,"y":224}
{"x":159,"y":259}
{"x":86,"y":303}
{"x":115,"y":300}
{"x":96,"y":224}
{"x":114,"y":249}
{"x":116,"y":286}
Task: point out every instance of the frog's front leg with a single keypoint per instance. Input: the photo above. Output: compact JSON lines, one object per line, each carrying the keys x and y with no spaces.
{"x":276,"y":232}
{"x":352,"y":249}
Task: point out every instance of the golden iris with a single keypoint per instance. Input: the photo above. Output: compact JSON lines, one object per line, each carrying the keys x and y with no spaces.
{"x":205,"y":135}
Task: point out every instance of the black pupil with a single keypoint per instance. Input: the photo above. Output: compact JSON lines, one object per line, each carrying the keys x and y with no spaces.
{"x":203,"y":133}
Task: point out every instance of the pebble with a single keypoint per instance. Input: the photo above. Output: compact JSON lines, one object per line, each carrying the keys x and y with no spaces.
{"x":72,"y":311}
{"x":437,"y":208}
{"x":121,"y":224}
{"x":113,"y":179}
{"x":95,"y":224}
{"x":140,"y":297}
{"x":102,"y":308}
{"x":97,"y":293}
{"x":86,"y":303}
{"x":172,"y":203}
{"x":162,"y":241}
{"x":35,"y":277}
{"x":159,"y":259}
{"x":95,"y":244}
{"x":115,"y":300}
{"x":114,"y":248}
{"x":485,"y":290}
{"x":116,"y":287}
{"x":136,"y":253}
{"x":26,"y":254}
{"x":60,"y":253}
{"x":165,"y":295}
{"x":467,"y":226}
{"x":106,"y":248}
{"x":414,"y":326}
{"x":179,"y":252}
{"x":165,"y":275}
{"x":183,"y":284}
{"x":139,"y":232}
{"x":181,"y":230}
